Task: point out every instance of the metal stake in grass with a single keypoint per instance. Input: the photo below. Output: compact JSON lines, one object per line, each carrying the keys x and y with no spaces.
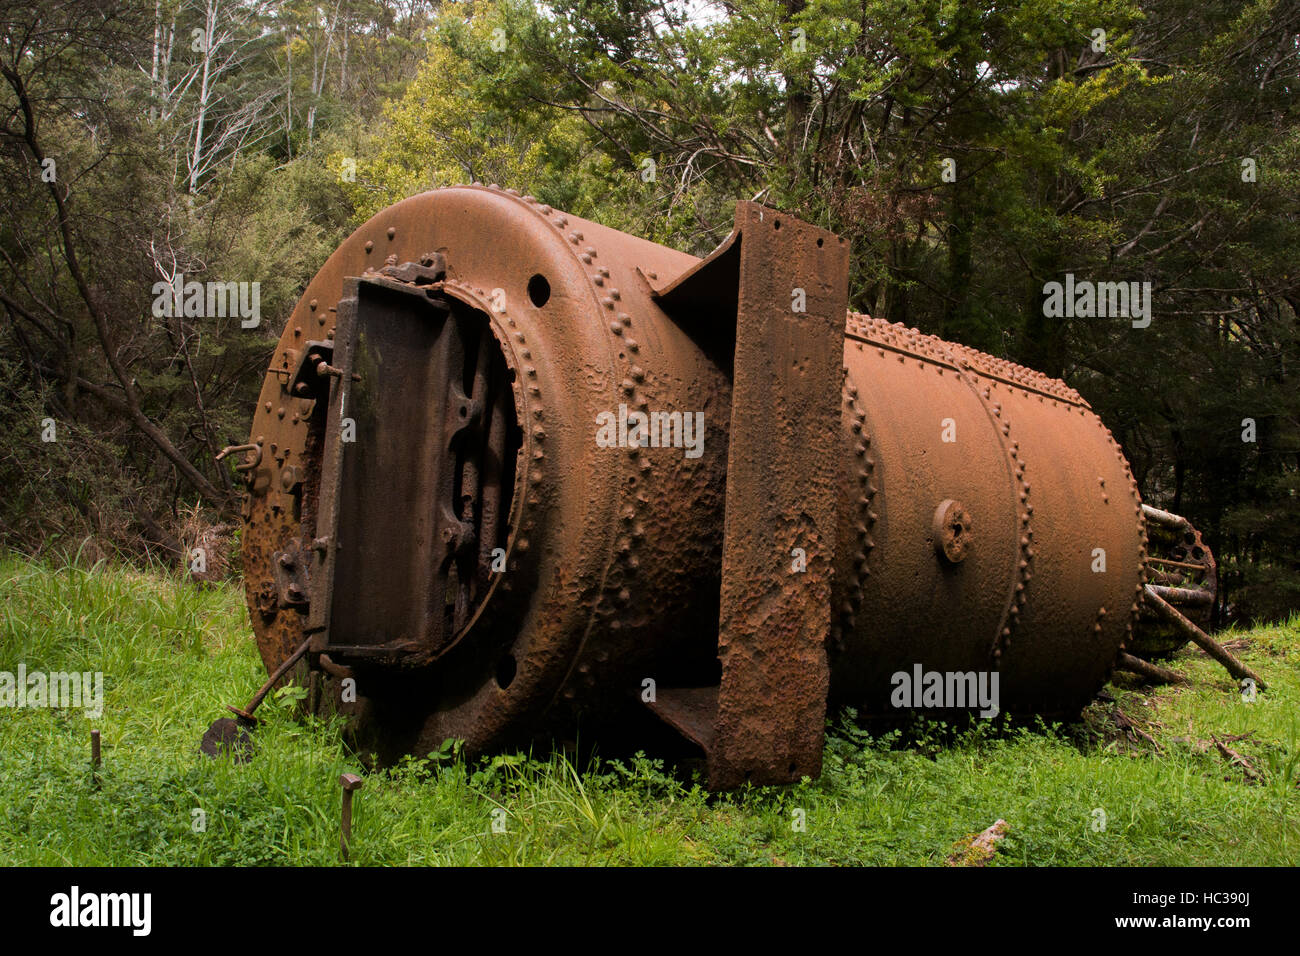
{"x":94,"y":757}
{"x":349,"y":782}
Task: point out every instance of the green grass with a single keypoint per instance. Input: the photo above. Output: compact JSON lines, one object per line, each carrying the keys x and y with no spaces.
{"x":173,"y":655}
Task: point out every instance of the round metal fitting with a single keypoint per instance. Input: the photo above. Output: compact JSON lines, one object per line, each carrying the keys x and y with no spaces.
{"x":952,"y":531}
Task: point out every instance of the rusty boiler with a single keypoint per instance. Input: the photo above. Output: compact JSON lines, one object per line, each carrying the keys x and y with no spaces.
{"x":458,"y":527}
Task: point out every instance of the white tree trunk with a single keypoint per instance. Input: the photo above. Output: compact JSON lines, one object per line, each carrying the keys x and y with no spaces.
{"x":204,"y":93}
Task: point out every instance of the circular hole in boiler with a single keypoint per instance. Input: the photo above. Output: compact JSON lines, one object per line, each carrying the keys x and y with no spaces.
{"x":777,"y":224}
{"x":820,"y":243}
{"x":539,"y":290}
{"x":506,"y":669}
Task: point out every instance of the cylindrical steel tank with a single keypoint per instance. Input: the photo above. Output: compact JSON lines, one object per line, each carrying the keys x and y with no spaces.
{"x":1042,"y":513}
{"x":434,"y":506}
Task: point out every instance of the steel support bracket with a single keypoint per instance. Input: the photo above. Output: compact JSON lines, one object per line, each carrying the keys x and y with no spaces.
{"x":774,"y":295}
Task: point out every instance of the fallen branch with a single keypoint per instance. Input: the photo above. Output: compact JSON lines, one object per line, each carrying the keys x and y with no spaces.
{"x":1236,"y":759}
{"x":981,"y":848}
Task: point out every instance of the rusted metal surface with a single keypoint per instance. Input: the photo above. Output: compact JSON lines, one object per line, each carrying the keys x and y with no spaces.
{"x":227,"y":737}
{"x":245,"y":714}
{"x":1151,"y":672}
{"x":598,"y":542}
{"x":935,"y":429}
{"x":433,"y":509}
{"x":786,"y":295}
{"x":423,"y":381}
{"x":350,"y":782}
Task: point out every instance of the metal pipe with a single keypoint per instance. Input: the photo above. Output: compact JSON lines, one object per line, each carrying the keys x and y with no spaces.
{"x":1167,"y":518}
{"x":284,"y":668}
{"x":1234,"y":667}
{"x":1182,"y":595}
{"x":1152,"y":672}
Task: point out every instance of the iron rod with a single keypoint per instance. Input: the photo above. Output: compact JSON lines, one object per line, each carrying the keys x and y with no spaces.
{"x":1208,"y":644}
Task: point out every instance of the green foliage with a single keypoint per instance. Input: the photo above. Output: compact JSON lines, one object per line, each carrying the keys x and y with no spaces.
{"x":173,"y":654}
{"x":440,"y":133}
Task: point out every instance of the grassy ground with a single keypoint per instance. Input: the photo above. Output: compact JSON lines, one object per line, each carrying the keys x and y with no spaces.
{"x":1188,"y":775}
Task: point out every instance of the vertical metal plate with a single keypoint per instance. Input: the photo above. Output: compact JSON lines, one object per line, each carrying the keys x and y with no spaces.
{"x":781,"y":496}
{"x":387,"y":493}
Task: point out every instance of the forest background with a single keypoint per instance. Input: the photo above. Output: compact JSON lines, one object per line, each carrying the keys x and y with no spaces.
{"x":970,"y":152}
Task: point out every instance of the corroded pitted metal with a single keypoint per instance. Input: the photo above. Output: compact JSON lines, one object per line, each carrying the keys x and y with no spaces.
{"x":482,"y":564}
{"x":598,"y":540}
{"x":1021,"y":455}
